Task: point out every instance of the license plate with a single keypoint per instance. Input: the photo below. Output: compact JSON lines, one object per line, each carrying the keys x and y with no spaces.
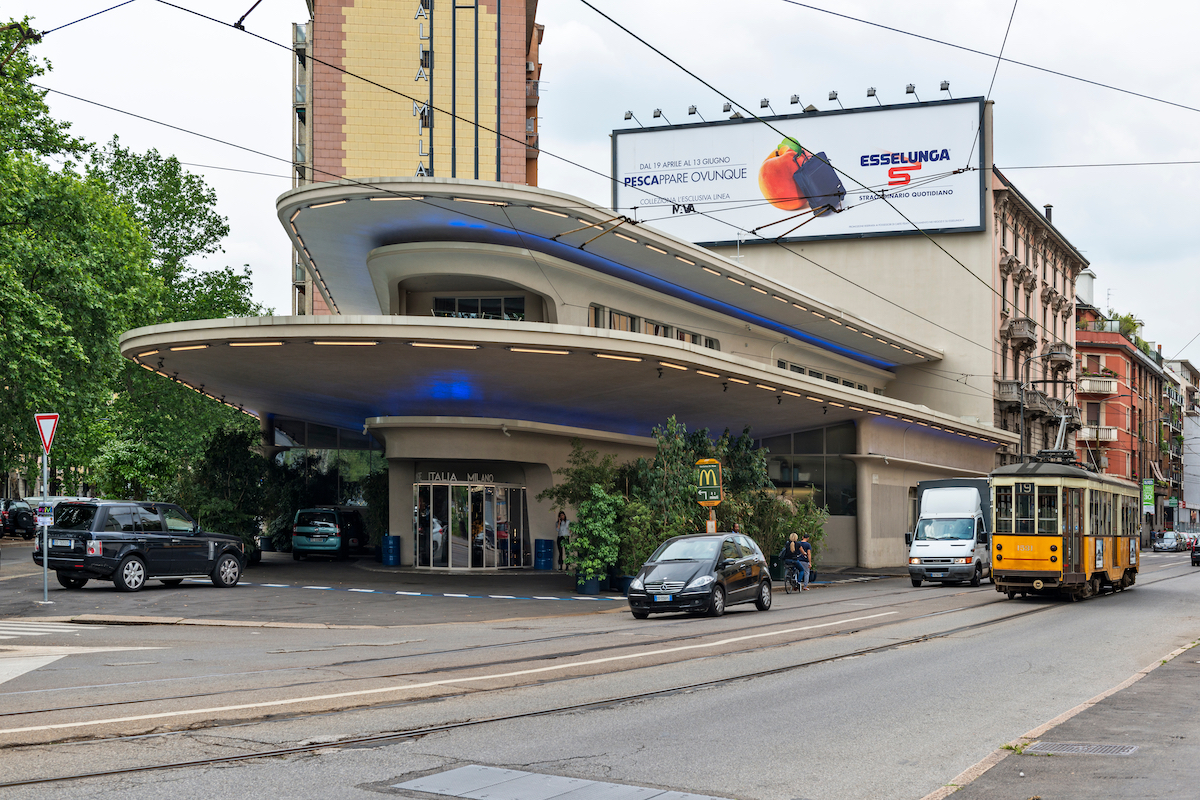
{"x":663,"y":598}
{"x":318,"y":538}
{"x":937,"y":574}
{"x":62,"y":543}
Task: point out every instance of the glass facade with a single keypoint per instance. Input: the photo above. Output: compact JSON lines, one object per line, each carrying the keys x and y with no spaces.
{"x":470,"y":526}
{"x":810,"y":464}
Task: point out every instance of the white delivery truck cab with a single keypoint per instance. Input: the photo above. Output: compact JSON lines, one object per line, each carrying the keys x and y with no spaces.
{"x":951,"y":540}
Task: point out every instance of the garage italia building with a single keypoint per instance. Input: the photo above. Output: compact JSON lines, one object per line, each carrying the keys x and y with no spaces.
{"x":477,"y":328}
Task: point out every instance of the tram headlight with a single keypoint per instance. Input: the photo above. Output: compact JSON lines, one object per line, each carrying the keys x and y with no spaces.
{"x":999,"y":547}
{"x":1053,"y":549}
{"x":999,"y":557}
{"x":1053,"y":559}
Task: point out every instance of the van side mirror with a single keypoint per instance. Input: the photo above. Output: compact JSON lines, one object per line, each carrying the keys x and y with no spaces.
{"x":983,"y":538}
{"x":908,"y":538}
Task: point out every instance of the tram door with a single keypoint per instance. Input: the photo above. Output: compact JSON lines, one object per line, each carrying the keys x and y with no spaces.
{"x":1074,"y":537}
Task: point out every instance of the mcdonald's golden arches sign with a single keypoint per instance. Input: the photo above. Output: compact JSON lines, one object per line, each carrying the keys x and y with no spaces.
{"x":709,"y":482}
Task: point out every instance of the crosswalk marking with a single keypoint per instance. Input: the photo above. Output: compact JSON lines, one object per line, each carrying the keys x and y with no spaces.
{"x":11,"y":629}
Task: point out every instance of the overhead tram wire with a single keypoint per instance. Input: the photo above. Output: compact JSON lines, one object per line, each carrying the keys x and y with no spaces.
{"x":609,"y":178}
{"x":992,"y":85}
{"x":1114,"y":164}
{"x":992,"y":55}
{"x":89,"y":16}
{"x":882,"y":196}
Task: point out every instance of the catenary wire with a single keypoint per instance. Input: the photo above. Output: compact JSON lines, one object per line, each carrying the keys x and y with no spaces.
{"x":991,"y":55}
{"x":992,"y":85}
{"x":89,"y":16}
{"x":566,"y":160}
{"x":748,"y":111}
{"x":559,"y":157}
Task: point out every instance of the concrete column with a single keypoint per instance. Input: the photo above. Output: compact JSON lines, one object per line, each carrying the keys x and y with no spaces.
{"x":867,"y":557}
{"x":401,"y":474}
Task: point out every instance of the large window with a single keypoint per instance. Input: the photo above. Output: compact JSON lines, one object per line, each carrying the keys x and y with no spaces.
{"x":809,"y":464}
{"x":509,"y":308}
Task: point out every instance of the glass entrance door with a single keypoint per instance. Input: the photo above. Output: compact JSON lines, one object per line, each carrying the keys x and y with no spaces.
{"x":470,"y":526}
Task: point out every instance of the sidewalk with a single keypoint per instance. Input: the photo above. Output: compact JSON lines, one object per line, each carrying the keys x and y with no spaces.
{"x":1142,"y":741}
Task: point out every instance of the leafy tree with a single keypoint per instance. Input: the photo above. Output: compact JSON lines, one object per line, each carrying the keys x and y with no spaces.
{"x":26,"y":126}
{"x":225,"y":494}
{"x":595,"y":539}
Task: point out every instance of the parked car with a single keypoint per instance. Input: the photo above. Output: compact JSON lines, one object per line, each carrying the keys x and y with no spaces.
{"x":130,"y":542}
{"x":1168,"y":543}
{"x":327,"y":531}
{"x":1196,"y":553}
{"x":701,"y":573}
{"x":17,"y":519}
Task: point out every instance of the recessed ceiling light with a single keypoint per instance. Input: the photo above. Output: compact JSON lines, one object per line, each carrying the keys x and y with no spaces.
{"x":768,"y":388}
{"x":626,"y":238}
{"x":614,"y":357}
{"x":444,"y":346}
{"x":797,"y":305}
{"x":351,"y":343}
{"x":480,"y":202}
{"x":189,"y":347}
{"x":735,"y":280}
{"x":548,"y":211}
{"x":672,"y":366}
{"x":147,"y":353}
{"x":685,"y":260}
{"x":707,"y":374}
{"x":711,"y":271}
{"x":330,"y":203}
{"x":656,"y":249}
{"x":255,"y":344}
{"x":739,"y":380}
{"x":791,"y":394}
{"x":540,"y":351}
{"x":412,"y":197}
{"x":760,"y":291}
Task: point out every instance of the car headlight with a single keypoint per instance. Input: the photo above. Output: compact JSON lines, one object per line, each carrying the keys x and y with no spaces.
{"x":700,"y":583}
{"x":637,"y":584}
{"x":914,"y":561}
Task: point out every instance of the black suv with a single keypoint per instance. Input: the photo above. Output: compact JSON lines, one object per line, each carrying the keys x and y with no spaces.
{"x":129,"y":543}
{"x":16,"y":519}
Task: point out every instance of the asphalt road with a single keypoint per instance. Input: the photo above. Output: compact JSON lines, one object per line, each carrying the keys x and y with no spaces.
{"x":868,"y":689}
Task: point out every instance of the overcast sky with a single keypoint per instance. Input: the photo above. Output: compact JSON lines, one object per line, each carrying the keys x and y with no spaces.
{"x":1137,"y":225}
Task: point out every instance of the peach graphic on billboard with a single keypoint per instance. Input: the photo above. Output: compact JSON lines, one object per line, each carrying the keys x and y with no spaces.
{"x":777,"y":176}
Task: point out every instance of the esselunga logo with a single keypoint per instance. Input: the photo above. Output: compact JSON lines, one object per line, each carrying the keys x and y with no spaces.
{"x":905,"y":163}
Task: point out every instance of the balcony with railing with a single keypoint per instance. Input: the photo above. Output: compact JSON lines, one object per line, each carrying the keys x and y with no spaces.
{"x":1093,"y":385}
{"x":1115,"y":326}
{"x":1022,"y":332}
{"x":1097,"y":433}
{"x":1008,"y":392}
{"x":1037,"y":404}
{"x":1059,"y":356}
{"x":532,"y":92}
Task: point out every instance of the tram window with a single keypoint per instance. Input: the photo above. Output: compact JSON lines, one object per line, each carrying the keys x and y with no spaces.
{"x":1047,"y":509}
{"x":1024,"y":515}
{"x":1004,"y":509}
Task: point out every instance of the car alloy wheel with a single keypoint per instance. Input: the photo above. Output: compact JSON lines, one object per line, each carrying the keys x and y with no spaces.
{"x":130,"y":575}
{"x":763,"y":601}
{"x":716,"y":606}
{"x":227,"y":572}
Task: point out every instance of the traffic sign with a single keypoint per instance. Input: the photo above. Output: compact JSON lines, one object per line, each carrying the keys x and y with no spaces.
{"x":47,"y":424}
{"x":709,"y":491}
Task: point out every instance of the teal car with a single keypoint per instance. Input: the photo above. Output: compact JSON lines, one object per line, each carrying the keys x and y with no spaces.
{"x":326,"y":531}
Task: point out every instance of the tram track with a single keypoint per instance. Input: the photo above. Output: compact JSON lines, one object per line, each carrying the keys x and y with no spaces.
{"x":381,"y":739}
{"x":775,"y":622}
{"x":384,"y":738}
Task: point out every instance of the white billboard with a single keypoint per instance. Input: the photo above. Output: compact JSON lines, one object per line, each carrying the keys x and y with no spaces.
{"x":854,"y":173}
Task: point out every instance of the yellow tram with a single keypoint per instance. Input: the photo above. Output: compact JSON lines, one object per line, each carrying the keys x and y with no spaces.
{"x":1062,"y":530}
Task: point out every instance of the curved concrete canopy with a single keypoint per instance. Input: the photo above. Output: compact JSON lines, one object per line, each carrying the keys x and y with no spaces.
{"x":337,"y":225}
{"x":342,"y":370}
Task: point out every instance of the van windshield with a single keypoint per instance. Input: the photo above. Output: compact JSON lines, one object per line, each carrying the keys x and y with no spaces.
{"x":942,"y":529}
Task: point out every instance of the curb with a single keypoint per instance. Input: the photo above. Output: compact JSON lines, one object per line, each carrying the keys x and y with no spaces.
{"x":983,"y":765}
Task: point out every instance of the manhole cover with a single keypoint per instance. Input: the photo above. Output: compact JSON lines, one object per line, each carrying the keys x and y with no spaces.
{"x":1080,"y":749}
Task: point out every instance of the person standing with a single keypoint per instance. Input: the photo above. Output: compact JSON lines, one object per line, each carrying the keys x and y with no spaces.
{"x":805,"y":560}
{"x":563,"y":529}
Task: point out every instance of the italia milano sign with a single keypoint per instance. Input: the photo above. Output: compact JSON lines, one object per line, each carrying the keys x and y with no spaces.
{"x":807,"y":176}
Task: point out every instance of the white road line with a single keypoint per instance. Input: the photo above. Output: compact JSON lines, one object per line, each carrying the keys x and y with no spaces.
{"x":456,"y":595}
{"x":368,"y":591}
{"x":410,"y":594}
{"x":277,"y":585}
{"x":502,"y":596}
{"x":445,"y":681}
{"x":316,"y":587}
{"x":536,"y":597}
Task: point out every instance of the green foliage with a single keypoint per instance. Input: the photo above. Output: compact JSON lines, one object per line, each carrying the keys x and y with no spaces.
{"x":294,"y":481}
{"x":585,"y":468}
{"x":375,"y":493}
{"x":226,"y":490}
{"x":660,"y":494}
{"x":25,"y":122}
{"x":74,"y":274}
{"x":595,"y":539}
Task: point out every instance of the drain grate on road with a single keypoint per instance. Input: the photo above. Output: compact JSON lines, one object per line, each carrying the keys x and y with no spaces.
{"x":1080,"y":749}
{"x":491,"y":783}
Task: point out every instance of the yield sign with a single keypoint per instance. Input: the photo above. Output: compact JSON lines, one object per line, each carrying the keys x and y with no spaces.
{"x":47,"y":424}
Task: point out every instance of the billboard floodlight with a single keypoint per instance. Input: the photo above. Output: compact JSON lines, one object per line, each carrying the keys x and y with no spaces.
{"x":764,"y":103}
{"x":912,"y":89}
{"x":629,"y":115}
{"x":833,"y":96}
{"x":658,"y":113}
{"x":692,"y":111}
{"x":946,"y":88}
{"x":795,"y":99}
{"x":727,"y":107}
{"x":871,"y":93}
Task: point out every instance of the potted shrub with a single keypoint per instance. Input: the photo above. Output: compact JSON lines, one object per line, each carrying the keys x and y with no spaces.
{"x":594,"y":540}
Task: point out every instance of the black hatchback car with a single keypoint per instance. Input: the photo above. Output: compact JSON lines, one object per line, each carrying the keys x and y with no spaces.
{"x":702,"y":573}
{"x":129,"y":543}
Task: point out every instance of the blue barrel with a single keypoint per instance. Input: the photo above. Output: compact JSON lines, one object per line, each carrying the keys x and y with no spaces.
{"x":391,"y":551}
{"x":543,"y":554}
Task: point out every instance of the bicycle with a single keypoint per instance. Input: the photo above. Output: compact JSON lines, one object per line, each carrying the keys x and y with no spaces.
{"x":791,"y":578}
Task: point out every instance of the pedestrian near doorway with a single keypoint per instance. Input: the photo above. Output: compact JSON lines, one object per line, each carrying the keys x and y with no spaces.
{"x":563,"y":529}
{"x":805,"y":560}
{"x":737,"y":527}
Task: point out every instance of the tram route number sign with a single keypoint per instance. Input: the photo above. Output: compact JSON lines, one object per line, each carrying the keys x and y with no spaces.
{"x":709,"y":491}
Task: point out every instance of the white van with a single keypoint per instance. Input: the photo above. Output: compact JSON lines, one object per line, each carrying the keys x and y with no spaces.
{"x":950,"y":543}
